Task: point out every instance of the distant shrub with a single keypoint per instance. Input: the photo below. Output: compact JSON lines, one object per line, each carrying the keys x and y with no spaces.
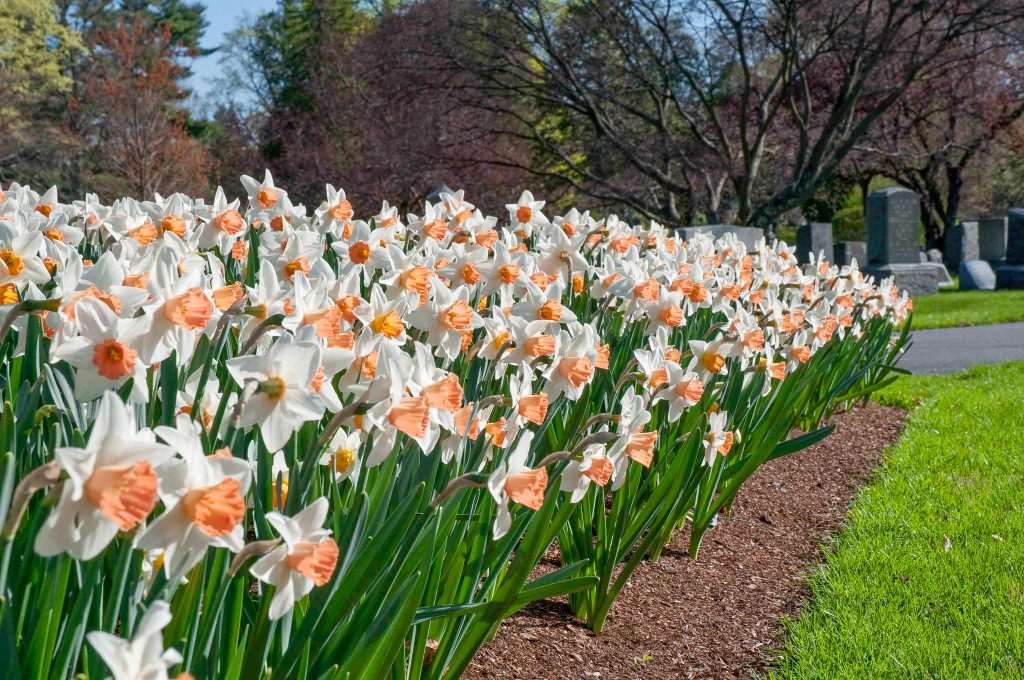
{"x":848,"y":224}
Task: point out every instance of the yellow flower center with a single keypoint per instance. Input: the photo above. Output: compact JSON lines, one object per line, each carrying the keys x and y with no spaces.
{"x":12,"y":260}
{"x":273,"y":387}
{"x":343,"y":459}
{"x":713,"y":362}
{"x":389,"y":325}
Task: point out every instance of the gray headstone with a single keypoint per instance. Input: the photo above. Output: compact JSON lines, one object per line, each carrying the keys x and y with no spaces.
{"x":1010,"y":276}
{"x":1015,"y":236}
{"x":894,"y":237}
{"x":934,"y":255}
{"x":941,"y":274}
{"x":894,"y":226}
{"x":813,"y":238}
{"x":748,"y":236}
{"x":917,"y":279}
{"x":992,"y":239}
{"x":977,"y":275}
{"x":847,"y":251}
{"x":961,"y":244}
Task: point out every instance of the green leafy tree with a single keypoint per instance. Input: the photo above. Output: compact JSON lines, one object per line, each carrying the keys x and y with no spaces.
{"x":34,"y":50}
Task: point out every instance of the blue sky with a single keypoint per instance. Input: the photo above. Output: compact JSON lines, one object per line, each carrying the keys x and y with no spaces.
{"x":223,"y":16}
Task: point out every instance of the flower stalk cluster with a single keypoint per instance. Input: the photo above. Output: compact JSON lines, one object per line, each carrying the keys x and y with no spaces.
{"x":249,"y":438}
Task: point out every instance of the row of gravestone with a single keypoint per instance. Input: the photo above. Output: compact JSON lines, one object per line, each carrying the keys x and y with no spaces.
{"x":986,"y":253}
{"x":989,"y":253}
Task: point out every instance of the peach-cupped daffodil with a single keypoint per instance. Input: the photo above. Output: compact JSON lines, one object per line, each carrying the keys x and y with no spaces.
{"x":446,"y":318}
{"x":306,"y":558}
{"x":111,"y":486}
{"x":224,"y":224}
{"x":632,"y":442}
{"x":204,"y":499}
{"x":105,"y":353}
{"x":513,"y":481}
{"x":717,"y":440}
{"x":595,"y":467}
{"x":262,"y":195}
{"x":525,"y":214}
{"x":335,"y":213}
{"x":572,"y":368}
{"x":683,"y":388}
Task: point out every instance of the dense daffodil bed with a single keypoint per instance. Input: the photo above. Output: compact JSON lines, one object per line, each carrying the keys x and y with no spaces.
{"x":249,"y":441}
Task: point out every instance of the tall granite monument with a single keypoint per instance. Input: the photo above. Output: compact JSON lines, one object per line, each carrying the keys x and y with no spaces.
{"x":894,"y":228}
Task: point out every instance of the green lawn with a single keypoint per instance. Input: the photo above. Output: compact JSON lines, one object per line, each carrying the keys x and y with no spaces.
{"x":927,"y":581}
{"x":970,"y":308}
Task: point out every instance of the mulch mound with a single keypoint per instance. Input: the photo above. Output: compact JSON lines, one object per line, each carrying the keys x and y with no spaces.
{"x":721,"y":615}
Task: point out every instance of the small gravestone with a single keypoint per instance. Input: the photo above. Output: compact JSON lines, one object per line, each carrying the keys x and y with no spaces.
{"x":748,"y":236}
{"x":845,"y":252}
{"x":1011,"y":274}
{"x":812,"y":239}
{"x":961,"y":244}
{"x":894,"y":237}
{"x":934,"y":255}
{"x":941,"y":274}
{"x":977,"y":275}
{"x":992,"y":239}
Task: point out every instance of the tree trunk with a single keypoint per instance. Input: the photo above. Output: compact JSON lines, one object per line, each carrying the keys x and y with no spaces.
{"x":955,"y":186}
{"x":864,"y":181}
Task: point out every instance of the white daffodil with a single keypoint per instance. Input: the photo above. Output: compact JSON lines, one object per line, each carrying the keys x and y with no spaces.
{"x":143,"y":657}
{"x":383,"y":321}
{"x":446,"y":318}
{"x":111,"y":484}
{"x":718,"y":440}
{"x":342,"y":455}
{"x":709,"y":357}
{"x":20,"y":261}
{"x":204,"y":497}
{"x":307,"y":557}
{"x":514,"y":481}
{"x":683,"y":388}
{"x":284,"y":397}
{"x":596,"y":467}
{"x":105,"y":353}
{"x":525,"y":214}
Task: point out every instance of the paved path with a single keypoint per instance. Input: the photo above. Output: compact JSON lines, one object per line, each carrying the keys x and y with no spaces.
{"x":948,"y":350}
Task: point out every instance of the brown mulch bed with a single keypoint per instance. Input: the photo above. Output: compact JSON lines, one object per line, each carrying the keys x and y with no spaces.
{"x":721,"y":615}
